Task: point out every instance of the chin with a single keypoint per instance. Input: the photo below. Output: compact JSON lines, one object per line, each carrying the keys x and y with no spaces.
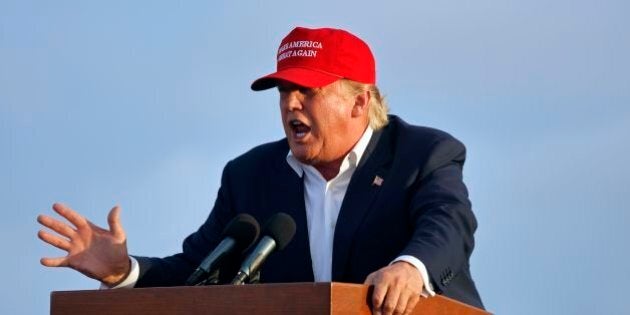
{"x":302,"y":156}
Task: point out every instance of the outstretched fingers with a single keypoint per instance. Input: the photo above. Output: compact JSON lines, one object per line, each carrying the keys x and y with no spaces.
{"x":93,"y":251}
{"x":76,"y":219}
{"x":57,"y":226}
{"x":54,"y":240}
{"x":54,"y":262}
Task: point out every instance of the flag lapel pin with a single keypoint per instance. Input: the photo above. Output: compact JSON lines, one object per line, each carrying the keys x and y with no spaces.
{"x":378,"y":181}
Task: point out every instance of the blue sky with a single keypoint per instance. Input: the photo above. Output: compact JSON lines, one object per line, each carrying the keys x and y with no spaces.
{"x":141,"y":104}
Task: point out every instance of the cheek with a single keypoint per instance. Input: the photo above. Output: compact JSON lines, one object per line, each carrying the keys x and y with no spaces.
{"x":281,"y":106}
{"x":285,"y":128}
{"x":336,"y":116}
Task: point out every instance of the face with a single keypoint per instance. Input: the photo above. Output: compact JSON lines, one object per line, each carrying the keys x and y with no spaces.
{"x":322,"y":125}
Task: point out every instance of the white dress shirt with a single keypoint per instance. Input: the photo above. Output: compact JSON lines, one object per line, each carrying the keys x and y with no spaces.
{"x":323,"y":201}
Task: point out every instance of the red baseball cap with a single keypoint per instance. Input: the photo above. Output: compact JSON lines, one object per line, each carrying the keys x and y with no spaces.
{"x":317,"y":57}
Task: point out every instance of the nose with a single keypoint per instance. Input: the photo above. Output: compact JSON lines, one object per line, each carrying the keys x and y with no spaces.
{"x":291,"y":100}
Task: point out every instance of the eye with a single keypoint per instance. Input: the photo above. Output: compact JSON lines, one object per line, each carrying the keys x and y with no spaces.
{"x":304,"y":91}
{"x":308,"y":92}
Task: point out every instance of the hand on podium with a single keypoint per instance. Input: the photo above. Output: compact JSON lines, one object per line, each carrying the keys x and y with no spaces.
{"x":397,"y":288}
{"x":93,"y":251}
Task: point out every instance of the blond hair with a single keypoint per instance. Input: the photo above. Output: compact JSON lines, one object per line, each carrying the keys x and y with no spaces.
{"x":377,"y":112}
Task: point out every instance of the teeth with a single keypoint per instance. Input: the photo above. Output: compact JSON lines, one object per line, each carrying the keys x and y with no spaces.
{"x":299,"y":128}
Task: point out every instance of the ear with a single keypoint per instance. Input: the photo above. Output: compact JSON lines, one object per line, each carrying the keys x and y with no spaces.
{"x":361,"y":104}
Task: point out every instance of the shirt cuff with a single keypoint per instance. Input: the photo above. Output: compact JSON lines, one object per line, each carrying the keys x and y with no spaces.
{"x":131,"y":279}
{"x":427,"y":289}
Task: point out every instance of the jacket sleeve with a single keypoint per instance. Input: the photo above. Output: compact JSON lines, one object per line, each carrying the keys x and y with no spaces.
{"x":174,"y":270}
{"x":443,"y":220}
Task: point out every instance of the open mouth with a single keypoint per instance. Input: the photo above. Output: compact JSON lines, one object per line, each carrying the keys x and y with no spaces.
{"x":300,"y":129}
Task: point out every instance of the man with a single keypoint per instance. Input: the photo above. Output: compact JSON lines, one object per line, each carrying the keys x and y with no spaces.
{"x":375,"y":200}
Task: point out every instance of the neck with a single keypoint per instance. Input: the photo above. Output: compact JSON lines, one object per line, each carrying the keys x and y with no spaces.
{"x":329,"y":170}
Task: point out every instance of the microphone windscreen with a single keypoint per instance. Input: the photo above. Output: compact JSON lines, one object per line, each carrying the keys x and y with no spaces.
{"x":281,"y":228}
{"x":244,"y":229}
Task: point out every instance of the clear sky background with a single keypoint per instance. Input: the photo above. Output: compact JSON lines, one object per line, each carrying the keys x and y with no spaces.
{"x":141,"y":103}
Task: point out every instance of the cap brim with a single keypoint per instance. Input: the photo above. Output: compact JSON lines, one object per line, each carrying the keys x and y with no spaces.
{"x":300,"y":76}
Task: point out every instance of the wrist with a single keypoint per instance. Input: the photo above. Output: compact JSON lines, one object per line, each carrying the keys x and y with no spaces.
{"x":119,"y":276}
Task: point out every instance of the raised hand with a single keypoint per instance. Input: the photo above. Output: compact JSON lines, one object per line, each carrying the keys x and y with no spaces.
{"x":93,"y":251}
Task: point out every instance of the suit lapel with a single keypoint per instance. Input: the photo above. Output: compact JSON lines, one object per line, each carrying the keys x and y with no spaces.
{"x":362,"y":191}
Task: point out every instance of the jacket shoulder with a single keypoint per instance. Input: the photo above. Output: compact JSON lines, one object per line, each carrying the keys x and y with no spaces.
{"x":261,"y":156}
{"x":419,"y":134}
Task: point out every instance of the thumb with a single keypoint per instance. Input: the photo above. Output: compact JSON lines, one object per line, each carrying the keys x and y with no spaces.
{"x":113,"y":219}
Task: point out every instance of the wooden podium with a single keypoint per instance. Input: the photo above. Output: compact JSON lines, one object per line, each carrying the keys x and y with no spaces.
{"x":288,"y":298}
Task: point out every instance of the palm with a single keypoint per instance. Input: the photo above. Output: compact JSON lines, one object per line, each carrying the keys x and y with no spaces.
{"x":96,"y":252}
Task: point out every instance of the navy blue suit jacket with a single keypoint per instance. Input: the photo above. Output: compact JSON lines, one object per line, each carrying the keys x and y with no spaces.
{"x":420,"y":209}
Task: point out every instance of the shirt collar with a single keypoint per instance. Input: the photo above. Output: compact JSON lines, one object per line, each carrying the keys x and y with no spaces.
{"x":353,"y":157}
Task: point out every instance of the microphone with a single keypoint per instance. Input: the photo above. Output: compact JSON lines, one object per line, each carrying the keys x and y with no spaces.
{"x":239,"y":234}
{"x":278,"y":232}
